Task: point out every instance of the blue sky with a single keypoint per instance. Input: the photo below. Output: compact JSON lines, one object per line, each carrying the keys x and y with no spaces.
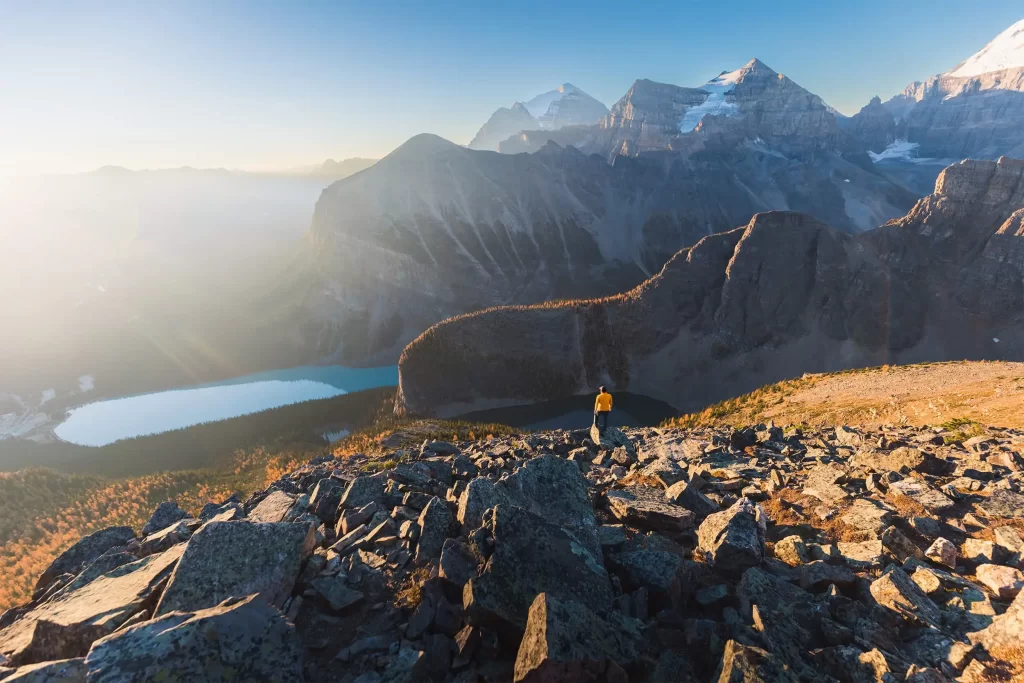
{"x":263,"y":85}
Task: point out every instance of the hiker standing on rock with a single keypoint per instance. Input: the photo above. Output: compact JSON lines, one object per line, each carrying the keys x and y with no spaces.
{"x":602,"y":406}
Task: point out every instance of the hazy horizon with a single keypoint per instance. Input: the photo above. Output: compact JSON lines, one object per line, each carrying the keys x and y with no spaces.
{"x":267,"y":88}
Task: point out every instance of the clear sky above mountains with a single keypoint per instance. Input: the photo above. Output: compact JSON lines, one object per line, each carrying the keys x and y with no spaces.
{"x":268,"y":85}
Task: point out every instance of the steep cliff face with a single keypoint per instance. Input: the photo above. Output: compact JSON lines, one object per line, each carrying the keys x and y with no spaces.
{"x":435,"y":230}
{"x":974,"y":110}
{"x":564,"y":106}
{"x":873,"y":125}
{"x":784,"y":295}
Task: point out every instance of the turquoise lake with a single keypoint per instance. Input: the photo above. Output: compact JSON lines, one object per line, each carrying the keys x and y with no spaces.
{"x":103,"y":422}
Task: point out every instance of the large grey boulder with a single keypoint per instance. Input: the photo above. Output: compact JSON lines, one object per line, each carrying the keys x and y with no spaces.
{"x":530,"y":557}
{"x":233,"y":559}
{"x":363,"y":491}
{"x":324,"y":500}
{"x":87,"y":549}
{"x":242,"y":639}
{"x":611,"y":439}
{"x":896,"y":591}
{"x":436,"y":524}
{"x":547,"y":486}
{"x":565,"y":642}
{"x":66,"y":625}
{"x":688,"y":496}
{"x":166,"y":514}
{"x":734,"y":539}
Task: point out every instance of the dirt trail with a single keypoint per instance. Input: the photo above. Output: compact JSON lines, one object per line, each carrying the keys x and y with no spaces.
{"x":989,"y":392}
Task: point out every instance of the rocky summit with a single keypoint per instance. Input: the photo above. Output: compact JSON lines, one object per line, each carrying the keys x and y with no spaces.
{"x":784,"y":295}
{"x":755,"y":554}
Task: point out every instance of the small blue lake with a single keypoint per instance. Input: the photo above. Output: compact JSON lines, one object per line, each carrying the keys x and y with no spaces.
{"x":103,"y":422}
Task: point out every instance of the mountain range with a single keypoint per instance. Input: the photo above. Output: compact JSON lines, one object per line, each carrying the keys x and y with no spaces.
{"x":564,"y":106}
{"x":783,"y":295}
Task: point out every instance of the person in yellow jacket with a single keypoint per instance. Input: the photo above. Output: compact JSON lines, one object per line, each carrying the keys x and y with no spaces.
{"x":602,"y":406}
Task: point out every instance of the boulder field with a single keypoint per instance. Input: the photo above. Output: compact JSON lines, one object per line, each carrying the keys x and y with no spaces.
{"x":756,"y":554}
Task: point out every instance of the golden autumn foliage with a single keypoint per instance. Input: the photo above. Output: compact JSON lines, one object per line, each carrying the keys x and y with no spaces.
{"x":43,"y":512}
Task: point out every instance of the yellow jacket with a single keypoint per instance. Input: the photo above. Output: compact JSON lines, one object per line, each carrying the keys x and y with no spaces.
{"x":603,"y":403}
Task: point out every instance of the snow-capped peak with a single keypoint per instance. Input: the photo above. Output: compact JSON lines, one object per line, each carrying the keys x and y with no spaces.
{"x":1006,"y":51}
{"x":538,"y":106}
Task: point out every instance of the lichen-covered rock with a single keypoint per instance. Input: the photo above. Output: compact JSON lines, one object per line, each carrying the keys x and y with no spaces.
{"x":178,"y":532}
{"x":231,"y":559}
{"x":1003,"y":503}
{"x":645,"y":507}
{"x":532,"y":556}
{"x":65,"y":626}
{"x":241,"y":639}
{"x":1004,"y":582}
{"x":166,"y":514}
{"x":87,"y":549}
{"x":363,"y":491}
{"x":920,"y":492}
{"x":436,"y":524}
{"x":60,"y":671}
{"x":734,"y":539}
{"x":276,"y":507}
{"x":896,"y":591}
{"x":688,"y":496}
{"x":566,"y":642}
{"x":611,"y":439}
{"x":326,"y":497}
{"x":942,"y":552}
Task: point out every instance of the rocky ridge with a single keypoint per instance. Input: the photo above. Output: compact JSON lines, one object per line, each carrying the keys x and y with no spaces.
{"x":784,"y":295}
{"x":755,"y":554}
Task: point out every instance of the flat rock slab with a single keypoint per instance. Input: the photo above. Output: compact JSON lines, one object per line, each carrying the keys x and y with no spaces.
{"x":1007,"y":504}
{"x":239,"y":640}
{"x":530,"y":557}
{"x":646,"y":507}
{"x":920,"y":492}
{"x":733,"y":539}
{"x":234,"y":559}
{"x":565,"y":642}
{"x":66,"y":626}
{"x":274,"y":508}
{"x":868,"y":516}
{"x":822,"y":483}
{"x":864,"y":555}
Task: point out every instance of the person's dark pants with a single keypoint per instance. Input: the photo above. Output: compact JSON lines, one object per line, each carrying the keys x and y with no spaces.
{"x":601,"y":420}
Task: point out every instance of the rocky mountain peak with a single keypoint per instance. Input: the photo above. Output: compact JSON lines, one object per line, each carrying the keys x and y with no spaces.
{"x":564,"y":106}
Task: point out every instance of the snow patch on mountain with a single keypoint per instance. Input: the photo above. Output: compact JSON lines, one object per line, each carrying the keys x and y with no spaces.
{"x":898,"y":150}
{"x":1006,"y":51}
{"x":715,"y":104}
